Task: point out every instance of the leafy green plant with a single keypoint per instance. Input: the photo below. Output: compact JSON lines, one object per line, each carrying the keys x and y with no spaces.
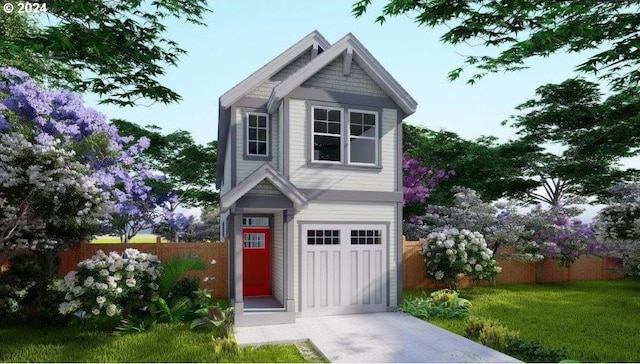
{"x":225,"y":347}
{"x":175,"y":267}
{"x":186,"y":287}
{"x":474,"y":325}
{"x":215,"y":318}
{"x":172,"y":311}
{"x":443,"y":303}
{"x":496,"y":337}
{"x":533,"y":351}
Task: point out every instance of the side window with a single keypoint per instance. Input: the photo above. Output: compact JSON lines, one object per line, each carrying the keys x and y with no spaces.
{"x":327,"y":135}
{"x":257,"y":135}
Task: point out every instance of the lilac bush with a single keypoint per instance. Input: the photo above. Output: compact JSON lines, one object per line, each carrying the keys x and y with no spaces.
{"x":451,"y":252}
{"x":417,"y":183}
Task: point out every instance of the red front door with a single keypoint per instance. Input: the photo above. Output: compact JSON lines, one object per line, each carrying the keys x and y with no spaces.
{"x":256,"y":280}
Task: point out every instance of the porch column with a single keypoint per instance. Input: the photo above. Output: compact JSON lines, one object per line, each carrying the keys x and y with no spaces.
{"x":236,"y":216}
{"x":289,"y":244}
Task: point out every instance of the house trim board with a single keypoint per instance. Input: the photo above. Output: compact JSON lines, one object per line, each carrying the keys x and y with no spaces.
{"x":349,"y":99}
{"x":400,"y":240}
{"x":315,"y":194}
{"x":249,"y":201}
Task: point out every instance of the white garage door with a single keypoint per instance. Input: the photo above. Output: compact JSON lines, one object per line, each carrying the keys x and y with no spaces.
{"x":344,"y":269}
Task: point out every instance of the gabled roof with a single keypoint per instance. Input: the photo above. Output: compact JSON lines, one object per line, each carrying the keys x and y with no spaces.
{"x":348,"y":44}
{"x":267,"y":172}
{"x":265,"y":72}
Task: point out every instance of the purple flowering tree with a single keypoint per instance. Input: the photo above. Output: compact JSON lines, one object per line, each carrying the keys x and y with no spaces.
{"x":618,"y":226}
{"x":64,"y":169}
{"x":417,"y":183}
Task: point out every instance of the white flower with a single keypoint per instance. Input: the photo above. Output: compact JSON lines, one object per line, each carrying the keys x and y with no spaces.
{"x":213,"y":261}
{"x":478,"y":267}
{"x":111,"y":310}
{"x":131,"y":282}
{"x":439,"y":275}
{"x":95,"y":312}
{"x":64,"y":308}
{"x":449,"y":252}
{"x":101,"y":300}
{"x":89,"y":281}
{"x":472,"y":260}
{"x":448,"y":243}
{"x":118,"y":290}
{"x":117,"y":276}
{"x":104,"y":272}
{"x":101,"y":286}
{"x":153,"y":286}
{"x":130,"y":268}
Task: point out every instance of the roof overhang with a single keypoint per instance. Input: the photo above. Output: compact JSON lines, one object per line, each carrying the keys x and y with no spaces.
{"x":279,"y":181}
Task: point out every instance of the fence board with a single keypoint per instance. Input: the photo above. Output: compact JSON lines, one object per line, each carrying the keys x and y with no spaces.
{"x":217,"y":273}
{"x":513,"y":272}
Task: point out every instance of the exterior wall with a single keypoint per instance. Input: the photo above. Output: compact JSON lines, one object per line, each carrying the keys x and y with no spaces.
{"x":264,"y":188}
{"x":332,"y":78}
{"x":357,"y":178}
{"x":224,"y":220}
{"x":226,"y":185}
{"x":245,"y":167}
{"x":344,"y":212}
{"x":277,"y":258}
{"x":264,"y":90}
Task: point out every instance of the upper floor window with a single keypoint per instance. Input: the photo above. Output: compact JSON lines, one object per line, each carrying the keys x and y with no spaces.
{"x":257,"y":136}
{"x":363,"y":137}
{"x":327,"y":135}
{"x":360,"y":130}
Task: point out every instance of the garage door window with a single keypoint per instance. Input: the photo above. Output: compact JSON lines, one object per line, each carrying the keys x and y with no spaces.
{"x":323,"y":237}
{"x":366,"y":237}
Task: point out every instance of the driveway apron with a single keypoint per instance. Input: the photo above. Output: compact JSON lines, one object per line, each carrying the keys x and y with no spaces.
{"x":375,"y":337}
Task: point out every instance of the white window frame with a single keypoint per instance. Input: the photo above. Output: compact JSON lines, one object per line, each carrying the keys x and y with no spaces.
{"x":313,"y":134}
{"x":248,"y":138}
{"x":375,"y":139}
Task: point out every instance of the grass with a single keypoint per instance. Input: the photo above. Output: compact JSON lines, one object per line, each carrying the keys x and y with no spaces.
{"x":597,"y":321}
{"x":139,"y":238}
{"x":164,"y":343}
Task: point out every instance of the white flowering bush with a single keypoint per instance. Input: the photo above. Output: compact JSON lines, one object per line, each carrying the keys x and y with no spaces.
{"x":451,"y":252}
{"x":108,"y":284}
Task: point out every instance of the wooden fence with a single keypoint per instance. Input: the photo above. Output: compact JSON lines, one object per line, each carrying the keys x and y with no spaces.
{"x":547,"y":271}
{"x":217,"y":273}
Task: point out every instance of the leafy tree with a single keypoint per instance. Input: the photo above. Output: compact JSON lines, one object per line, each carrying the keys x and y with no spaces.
{"x":180,"y":228}
{"x":493,"y":170}
{"x":591,"y":137}
{"x":417,"y":183}
{"x":116,"y":49}
{"x":189,"y":168}
{"x":519,"y":30}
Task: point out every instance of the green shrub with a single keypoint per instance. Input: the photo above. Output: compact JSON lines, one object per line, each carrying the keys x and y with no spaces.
{"x":185,"y":288}
{"x":225,"y":347}
{"x":533,"y":351}
{"x":444,"y":303}
{"x":474,"y":325}
{"x":496,"y":337}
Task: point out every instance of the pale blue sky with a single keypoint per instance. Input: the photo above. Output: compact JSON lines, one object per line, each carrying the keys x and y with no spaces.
{"x":243,"y":35}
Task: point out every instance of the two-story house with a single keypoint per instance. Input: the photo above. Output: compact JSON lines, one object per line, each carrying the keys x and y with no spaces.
{"x":310,"y":179}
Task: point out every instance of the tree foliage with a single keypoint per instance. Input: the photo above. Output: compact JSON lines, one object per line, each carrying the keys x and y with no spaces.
{"x":116,"y":49}
{"x":588,"y":138}
{"x":494,"y":170}
{"x":520,"y":30}
{"x":189,"y":168}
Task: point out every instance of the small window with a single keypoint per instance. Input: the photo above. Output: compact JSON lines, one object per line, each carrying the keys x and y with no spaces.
{"x":363,"y":137}
{"x":254,"y":240}
{"x":323,"y":237}
{"x":327,"y":134}
{"x":255,"y":221}
{"x":257,"y":134}
{"x":366,"y":237}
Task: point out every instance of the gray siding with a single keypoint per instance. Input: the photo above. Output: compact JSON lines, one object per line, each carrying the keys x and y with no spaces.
{"x":226,"y":186}
{"x":277,"y":258}
{"x":331,"y":78}
{"x":345,"y":179}
{"x":264,"y":188}
{"x":246,"y":167}
{"x":264,"y":90}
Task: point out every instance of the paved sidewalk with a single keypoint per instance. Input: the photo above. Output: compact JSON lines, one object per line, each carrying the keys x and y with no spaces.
{"x":375,"y":337}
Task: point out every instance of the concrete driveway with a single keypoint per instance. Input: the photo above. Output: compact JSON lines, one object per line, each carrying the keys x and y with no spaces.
{"x":375,"y":337}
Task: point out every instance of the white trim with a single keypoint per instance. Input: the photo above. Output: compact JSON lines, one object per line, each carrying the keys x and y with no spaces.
{"x":313,"y":133}
{"x":248,"y":138}
{"x":376,"y":139}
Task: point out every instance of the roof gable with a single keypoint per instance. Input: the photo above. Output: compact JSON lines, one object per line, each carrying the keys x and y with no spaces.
{"x":266,"y":172}
{"x":313,"y":39}
{"x":350,"y":46}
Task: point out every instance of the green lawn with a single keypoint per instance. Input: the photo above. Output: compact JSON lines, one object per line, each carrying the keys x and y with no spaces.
{"x":139,"y":238}
{"x":163,"y":343}
{"x":597,"y":321}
